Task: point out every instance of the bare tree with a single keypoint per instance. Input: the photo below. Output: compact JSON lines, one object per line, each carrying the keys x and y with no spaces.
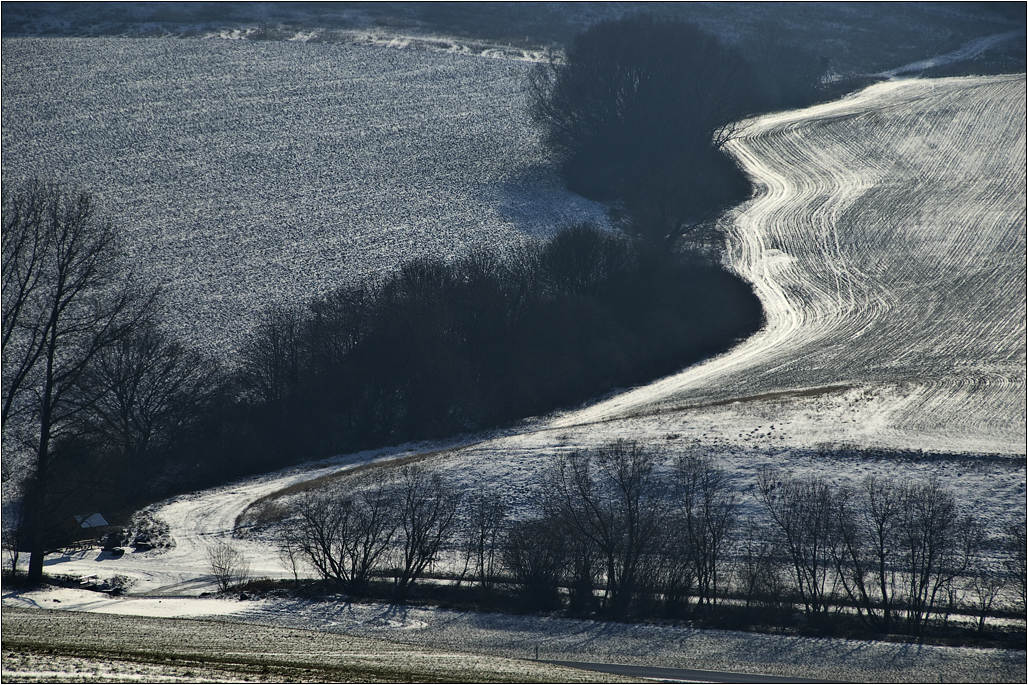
{"x":12,"y":540}
{"x":483,"y":535}
{"x":982,"y":587}
{"x":868,"y":555}
{"x":902,"y":546}
{"x":706,"y":507}
{"x":936,"y":547}
{"x":290,"y":552}
{"x":615,"y":500}
{"x":1016,"y":546}
{"x":803,"y":511}
{"x":535,"y":555}
{"x":70,"y":299}
{"x":155,"y":390}
{"x":27,"y":245}
{"x":228,"y":565}
{"x":345,"y":537}
{"x":427,"y":510}
{"x":759,"y":574}
{"x":669,"y":571}
{"x":322,"y":534}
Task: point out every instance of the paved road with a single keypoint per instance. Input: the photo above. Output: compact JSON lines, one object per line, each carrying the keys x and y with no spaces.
{"x":686,"y":674}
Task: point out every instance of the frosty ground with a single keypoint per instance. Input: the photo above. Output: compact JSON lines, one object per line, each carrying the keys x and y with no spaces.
{"x":887,"y":243}
{"x":88,"y":647}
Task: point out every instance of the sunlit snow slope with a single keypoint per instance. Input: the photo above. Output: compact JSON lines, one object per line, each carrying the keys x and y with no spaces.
{"x":887,"y":242}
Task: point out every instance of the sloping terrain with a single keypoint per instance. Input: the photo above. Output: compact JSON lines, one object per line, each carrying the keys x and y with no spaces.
{"x":251,"y":174}
{"x":887,"y":242}
{"x":307,"y":641}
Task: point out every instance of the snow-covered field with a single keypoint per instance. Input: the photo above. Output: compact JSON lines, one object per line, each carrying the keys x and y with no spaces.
{"x":88,"y":647}
{"x":887,"y":243}
{"x":429,"y":631}
{"x":247,"y":174}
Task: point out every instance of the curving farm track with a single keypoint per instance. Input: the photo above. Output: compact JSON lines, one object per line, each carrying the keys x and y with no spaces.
{"x":887,"y":242}
{"x":198,"y":522}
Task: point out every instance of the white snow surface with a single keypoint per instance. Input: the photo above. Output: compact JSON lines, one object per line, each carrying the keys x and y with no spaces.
{"x":71,"y":599}
{"x":247,"y":174}
{"x":969,"y":50}
{"x":561,"y":639}
{"x":887,"y":242}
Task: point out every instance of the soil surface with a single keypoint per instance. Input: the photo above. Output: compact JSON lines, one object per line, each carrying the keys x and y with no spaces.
{"x":65,"y":646}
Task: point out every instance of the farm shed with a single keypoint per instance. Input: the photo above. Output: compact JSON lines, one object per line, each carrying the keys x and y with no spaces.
{"x":87,"y":526}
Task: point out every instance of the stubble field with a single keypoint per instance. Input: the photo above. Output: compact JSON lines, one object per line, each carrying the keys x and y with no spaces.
{"x":73,"y":647}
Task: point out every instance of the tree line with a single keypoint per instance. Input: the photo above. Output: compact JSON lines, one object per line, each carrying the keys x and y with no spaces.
{"x":103,"y":409}
{"x":440,"y":347}
{"x":623,"y":532}
{"x":98,"y":402}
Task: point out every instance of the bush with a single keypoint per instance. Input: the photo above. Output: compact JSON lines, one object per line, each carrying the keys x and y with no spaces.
{"x":150,"y":530}
{"x":535,"y":555}
{"x":228,"y":566}
{"x":344,"y":536}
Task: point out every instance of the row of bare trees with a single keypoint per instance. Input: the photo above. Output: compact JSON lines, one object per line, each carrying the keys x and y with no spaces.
{"x":397,"y":524}
{"x":895,"y":551}
{"x":623,"y":531}
{"x":648,"y":538}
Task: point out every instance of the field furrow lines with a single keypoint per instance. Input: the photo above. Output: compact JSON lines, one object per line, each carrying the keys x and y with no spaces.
{"x":887,"y":242}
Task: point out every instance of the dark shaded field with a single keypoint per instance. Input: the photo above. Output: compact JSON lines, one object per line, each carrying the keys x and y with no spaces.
{"x":65,"y":646}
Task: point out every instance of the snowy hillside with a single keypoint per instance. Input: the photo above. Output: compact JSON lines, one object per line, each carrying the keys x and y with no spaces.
{"x":248,"y":174}
{"x":887,"y":242}
{"x":864,"y":256}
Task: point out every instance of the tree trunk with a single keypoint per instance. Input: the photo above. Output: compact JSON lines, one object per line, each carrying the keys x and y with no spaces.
{"x":36,"y":510}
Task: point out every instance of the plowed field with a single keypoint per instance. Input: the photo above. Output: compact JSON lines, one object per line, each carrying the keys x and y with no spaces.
{"x":887,"y":242}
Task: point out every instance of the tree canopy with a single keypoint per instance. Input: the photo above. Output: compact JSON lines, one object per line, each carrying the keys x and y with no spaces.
{"x":637,"y":112}
{"x":67,"y":300}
